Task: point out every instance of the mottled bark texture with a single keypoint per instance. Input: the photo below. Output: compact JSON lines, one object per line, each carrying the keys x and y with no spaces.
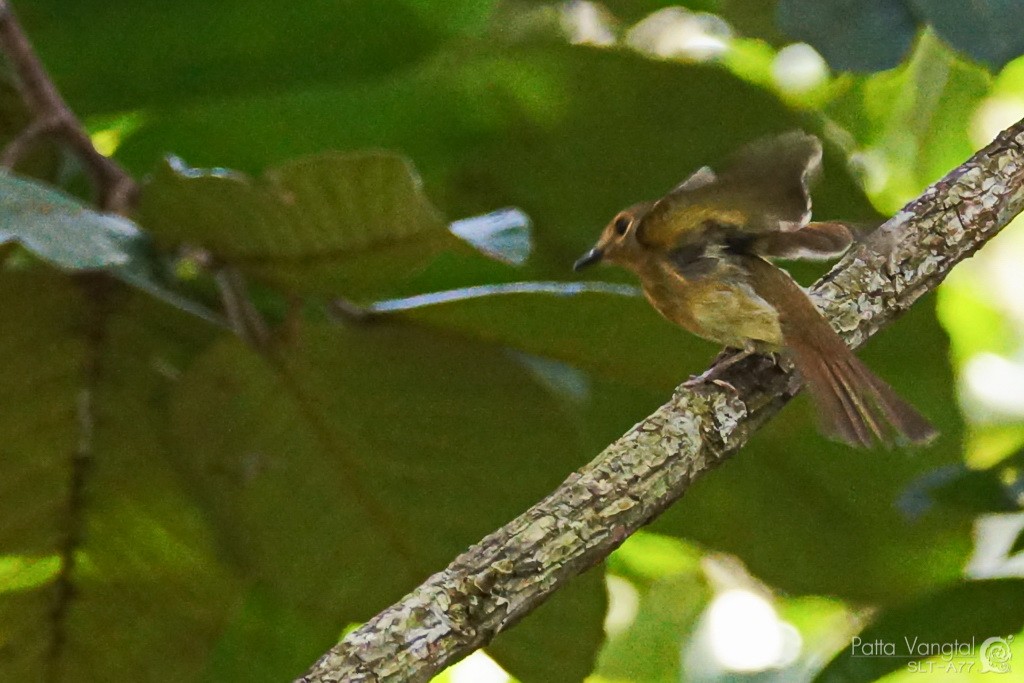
{"x":507,"y":574}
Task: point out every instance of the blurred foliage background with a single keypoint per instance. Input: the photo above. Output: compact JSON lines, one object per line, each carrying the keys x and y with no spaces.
{"x":178,"y":505}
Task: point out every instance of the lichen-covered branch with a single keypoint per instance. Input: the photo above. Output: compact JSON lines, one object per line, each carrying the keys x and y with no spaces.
{"x":51,"y":115}
{"x":510,"y":572}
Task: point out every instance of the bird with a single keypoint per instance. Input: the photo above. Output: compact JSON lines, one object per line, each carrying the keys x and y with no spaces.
{"x":703,"y":254}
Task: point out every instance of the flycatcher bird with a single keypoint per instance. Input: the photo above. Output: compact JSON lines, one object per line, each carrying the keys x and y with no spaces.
{"x":702,"y":255}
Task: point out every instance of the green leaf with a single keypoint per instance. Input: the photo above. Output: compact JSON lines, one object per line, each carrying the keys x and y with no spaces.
{"x":202,"y":51}
{"x":60,"y":229}
{"x":649,"y":649}
{"x":975,"y":321}
{"x":987,"y":30}
{"x":569,"y":134}
{"x":566,"y":321}
{"x":852,"y":35}
{"x":145,"y":272}
{"x":147,"y":594}
{"x":876,"y":34}
{"x":395,"y":441}
{"x":646,"y":557}
{"x":559,"y":640}
{"x":266,"y":638}
{"x":340,"y":224}
{"x":970,"y":613}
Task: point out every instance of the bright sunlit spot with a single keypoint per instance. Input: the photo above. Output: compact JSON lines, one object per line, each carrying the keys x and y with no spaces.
{"x":799,"y":68}
{"x":23,"y":572}
{"x":993,"y":557}
{"x":747,"y":635}
{"x":623,"y":605}
{"x":478,"y":668}
{"x":677,"y":32}
{"x":995,"y":384}
{"x":992,"y":116}
{"x":984,"y":311}
{"x":107,"y":137}
{"x":587,"y":23}
{"x":873,"y":168}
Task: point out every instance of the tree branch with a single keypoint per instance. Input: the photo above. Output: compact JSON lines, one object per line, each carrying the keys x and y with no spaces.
{"x":115,"y":189}
{"x":512,"y":571}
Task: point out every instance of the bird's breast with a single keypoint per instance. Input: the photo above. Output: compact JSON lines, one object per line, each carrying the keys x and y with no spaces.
{"x":723,"y":310}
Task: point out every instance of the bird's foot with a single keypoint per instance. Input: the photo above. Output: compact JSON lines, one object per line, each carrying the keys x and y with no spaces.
{"x":726,"y":359}
{"x":709,"y":377}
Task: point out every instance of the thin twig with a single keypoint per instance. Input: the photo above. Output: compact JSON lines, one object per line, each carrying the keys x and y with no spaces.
{"x":115,"y":189}
{"x":509,"y":573}
{"x":243,"y":316}
{"x":80,"y":465}
{"x":18,"y":147}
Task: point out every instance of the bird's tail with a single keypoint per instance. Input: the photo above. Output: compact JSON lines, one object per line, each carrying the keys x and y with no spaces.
{"x":854,"y":405}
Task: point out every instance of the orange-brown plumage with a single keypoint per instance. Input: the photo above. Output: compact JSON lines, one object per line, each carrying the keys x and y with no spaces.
{"x":701,"y":253}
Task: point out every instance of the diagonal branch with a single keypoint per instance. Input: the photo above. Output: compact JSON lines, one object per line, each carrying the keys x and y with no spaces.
{"x":510,"y":572}
{"x":115,"y":189}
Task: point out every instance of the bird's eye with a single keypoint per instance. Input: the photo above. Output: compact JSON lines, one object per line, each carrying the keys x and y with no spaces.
{"x":622,"y":224}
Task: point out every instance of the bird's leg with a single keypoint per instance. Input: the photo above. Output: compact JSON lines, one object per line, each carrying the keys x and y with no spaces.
{"x":726,"y":359}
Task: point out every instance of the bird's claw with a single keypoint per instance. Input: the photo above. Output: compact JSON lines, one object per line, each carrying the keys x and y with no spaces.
{"x":725,"y":359}
{"x":725,"y":385}
{"x":709,"y":377}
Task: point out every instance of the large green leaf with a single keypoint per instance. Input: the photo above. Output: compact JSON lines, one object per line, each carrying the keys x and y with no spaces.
{"x":607,"y":330}
{"x":569,"y":134}
{"x":377,"y":447}
{"x":85,"y":481}
{"x":649,"y":650}
{"x":333,"y":223}
{"x":195,"y":50}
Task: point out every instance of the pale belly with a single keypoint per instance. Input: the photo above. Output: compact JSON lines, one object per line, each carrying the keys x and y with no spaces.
{"x":730,"y":314}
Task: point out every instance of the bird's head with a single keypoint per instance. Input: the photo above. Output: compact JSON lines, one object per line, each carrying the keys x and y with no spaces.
{"x":618,"y":242}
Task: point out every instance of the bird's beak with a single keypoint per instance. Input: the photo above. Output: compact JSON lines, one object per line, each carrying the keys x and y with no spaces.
{"x":590,"y":258}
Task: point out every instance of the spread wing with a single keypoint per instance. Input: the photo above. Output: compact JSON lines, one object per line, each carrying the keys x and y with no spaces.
{"x":764,"y":187}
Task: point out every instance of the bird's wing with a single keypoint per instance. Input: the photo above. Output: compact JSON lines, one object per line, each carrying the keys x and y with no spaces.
{"x":775,"y":176}
{"x":765,"y":187}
